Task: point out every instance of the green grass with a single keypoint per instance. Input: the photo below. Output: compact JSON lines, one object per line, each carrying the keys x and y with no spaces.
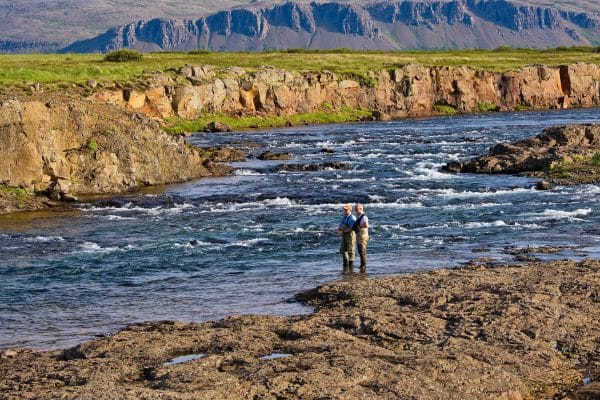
{"x":345,"y":114}
{"x":487,"y":107}
{"x":91,"y":145}
{"x":19,"y":192}
{"x":445,"y":109}
{"x":596,"y":159}
{"x":66,"y":69}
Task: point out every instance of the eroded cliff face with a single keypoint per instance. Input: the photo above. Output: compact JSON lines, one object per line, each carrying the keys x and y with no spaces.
{"x":382,"y":25}
{"x":410,"y":90}
{"x":67,"y":145}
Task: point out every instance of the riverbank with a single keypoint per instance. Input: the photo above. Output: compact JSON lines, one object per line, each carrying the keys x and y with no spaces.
{"x":562,"y":155}
{"x":101,"y":137}
{"x":57,"y":146}
{"x":477,"y":332}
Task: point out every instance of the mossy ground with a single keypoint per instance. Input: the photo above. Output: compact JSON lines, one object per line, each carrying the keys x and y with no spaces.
{"x":65,"y":70}
{"x":577,"y":169}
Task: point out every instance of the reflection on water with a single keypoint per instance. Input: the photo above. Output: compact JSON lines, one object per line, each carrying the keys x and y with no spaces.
{"x":247,"y":243}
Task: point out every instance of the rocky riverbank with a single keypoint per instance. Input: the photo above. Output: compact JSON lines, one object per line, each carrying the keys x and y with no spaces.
{"x":479,"y":332}
{"x":63,"y":145}
{"x":399,"y":91}
{"x":563,"y":155}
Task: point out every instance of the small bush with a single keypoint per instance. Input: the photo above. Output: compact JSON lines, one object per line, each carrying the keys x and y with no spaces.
{"x":199,"y":52}
{"x":596,"y":159}
{"x":17,"y":191}
{"x":445,"y":109}
{"x":91,"y":145}
{"x":486,"y":107}
{"x":123,"y":55}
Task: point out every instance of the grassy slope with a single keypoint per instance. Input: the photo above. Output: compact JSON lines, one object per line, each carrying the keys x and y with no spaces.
{"x":61,"y":70}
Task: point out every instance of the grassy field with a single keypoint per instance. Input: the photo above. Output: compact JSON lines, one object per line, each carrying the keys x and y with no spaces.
{"x":64,"y":70}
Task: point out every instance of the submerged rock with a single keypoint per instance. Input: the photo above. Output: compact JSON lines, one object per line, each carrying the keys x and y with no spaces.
{"x":269,"y":155}
{"x":217,"y":126}
{"x":312,"y":167}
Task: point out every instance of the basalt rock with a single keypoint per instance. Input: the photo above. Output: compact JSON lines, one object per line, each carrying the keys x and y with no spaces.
{"x":553,"y":147}
{"x":62,"y":144}
{"x":479,"y":332}
{"x":312,"y":167}
{"x":269,"y":155}
{"x":217,"y":126}
{"x":410,"y":90}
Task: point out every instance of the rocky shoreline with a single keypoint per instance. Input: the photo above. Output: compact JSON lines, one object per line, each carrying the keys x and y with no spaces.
{"x":562,"y":155}
{"x":477,"y":332}
{"x":55,"y":147}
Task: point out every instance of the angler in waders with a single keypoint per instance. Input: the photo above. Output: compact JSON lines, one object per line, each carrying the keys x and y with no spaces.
{"x":346,"y":231}
{"x":361,"y":227}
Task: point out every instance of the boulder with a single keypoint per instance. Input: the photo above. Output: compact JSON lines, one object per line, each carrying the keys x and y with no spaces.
{"x":539,"y":154}
{"x":269,"y":155}
{"x":217,"y":126}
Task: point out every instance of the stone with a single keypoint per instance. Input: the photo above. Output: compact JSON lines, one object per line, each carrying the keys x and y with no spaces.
{"x":551,"y":150}
{"x":348,"y":84}
{"x":269,"y":155}
{"x":217,"y":126}
{"x":543,"y":185}
{"x":92,"y":83}
{"x":381,"y":116}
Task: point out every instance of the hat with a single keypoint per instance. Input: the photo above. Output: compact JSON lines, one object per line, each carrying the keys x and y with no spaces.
{"x":348,"y":207}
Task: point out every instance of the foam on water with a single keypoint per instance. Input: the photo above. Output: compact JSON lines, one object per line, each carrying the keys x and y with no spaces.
{"x":44,"y":239}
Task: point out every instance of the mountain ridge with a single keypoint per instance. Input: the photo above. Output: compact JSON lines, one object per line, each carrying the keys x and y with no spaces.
{"x":386,"y":25}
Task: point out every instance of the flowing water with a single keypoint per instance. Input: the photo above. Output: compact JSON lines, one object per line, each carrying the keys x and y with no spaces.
{"x":247,"y":243}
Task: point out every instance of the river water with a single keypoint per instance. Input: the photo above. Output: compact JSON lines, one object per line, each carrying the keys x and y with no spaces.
{"x":247,"y":243}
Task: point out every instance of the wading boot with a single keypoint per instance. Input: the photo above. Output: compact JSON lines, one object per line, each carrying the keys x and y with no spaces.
{"x":345,"y":266}
{"x":351,"y":266}
{"x":363,"y":268}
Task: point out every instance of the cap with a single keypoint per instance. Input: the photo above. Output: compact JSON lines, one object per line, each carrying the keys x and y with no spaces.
{"x":348,"y":207}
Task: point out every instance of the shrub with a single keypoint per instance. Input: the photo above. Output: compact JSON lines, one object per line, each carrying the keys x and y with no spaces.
{"x":596,"y":159}
{"x":123,"y":55}
{"x":445,"y":109}
{"x":17,"y":191}
{"x":91,"y":145}
{"x":486,"y":107}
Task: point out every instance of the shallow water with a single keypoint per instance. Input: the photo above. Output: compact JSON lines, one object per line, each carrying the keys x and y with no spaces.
{"x":249,"y":242}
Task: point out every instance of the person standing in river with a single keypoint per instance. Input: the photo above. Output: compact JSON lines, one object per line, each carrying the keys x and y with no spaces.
{"x":362,"y":235}
{"x":346,"y":231}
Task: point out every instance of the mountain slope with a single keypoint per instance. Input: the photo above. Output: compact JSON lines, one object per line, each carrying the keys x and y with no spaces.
{"x":47,"y":25}
{"x":384,"y":25}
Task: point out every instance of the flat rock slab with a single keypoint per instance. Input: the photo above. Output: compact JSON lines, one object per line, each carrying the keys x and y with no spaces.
{"x":510,"y":332}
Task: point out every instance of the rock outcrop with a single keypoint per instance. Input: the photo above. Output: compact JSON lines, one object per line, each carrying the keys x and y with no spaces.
{"x":403,"y":91}
{"x":516,"y":332}
{"x":549,"y":152}
{"x":382,"y":25}
{"x":62,"y":145}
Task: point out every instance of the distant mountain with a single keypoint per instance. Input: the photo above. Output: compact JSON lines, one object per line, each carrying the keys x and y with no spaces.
{"x":409,"y":24}
{"x":47,"y":25}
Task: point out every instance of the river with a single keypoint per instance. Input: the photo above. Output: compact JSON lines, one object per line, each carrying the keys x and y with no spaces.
{"x":248,"y":242}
